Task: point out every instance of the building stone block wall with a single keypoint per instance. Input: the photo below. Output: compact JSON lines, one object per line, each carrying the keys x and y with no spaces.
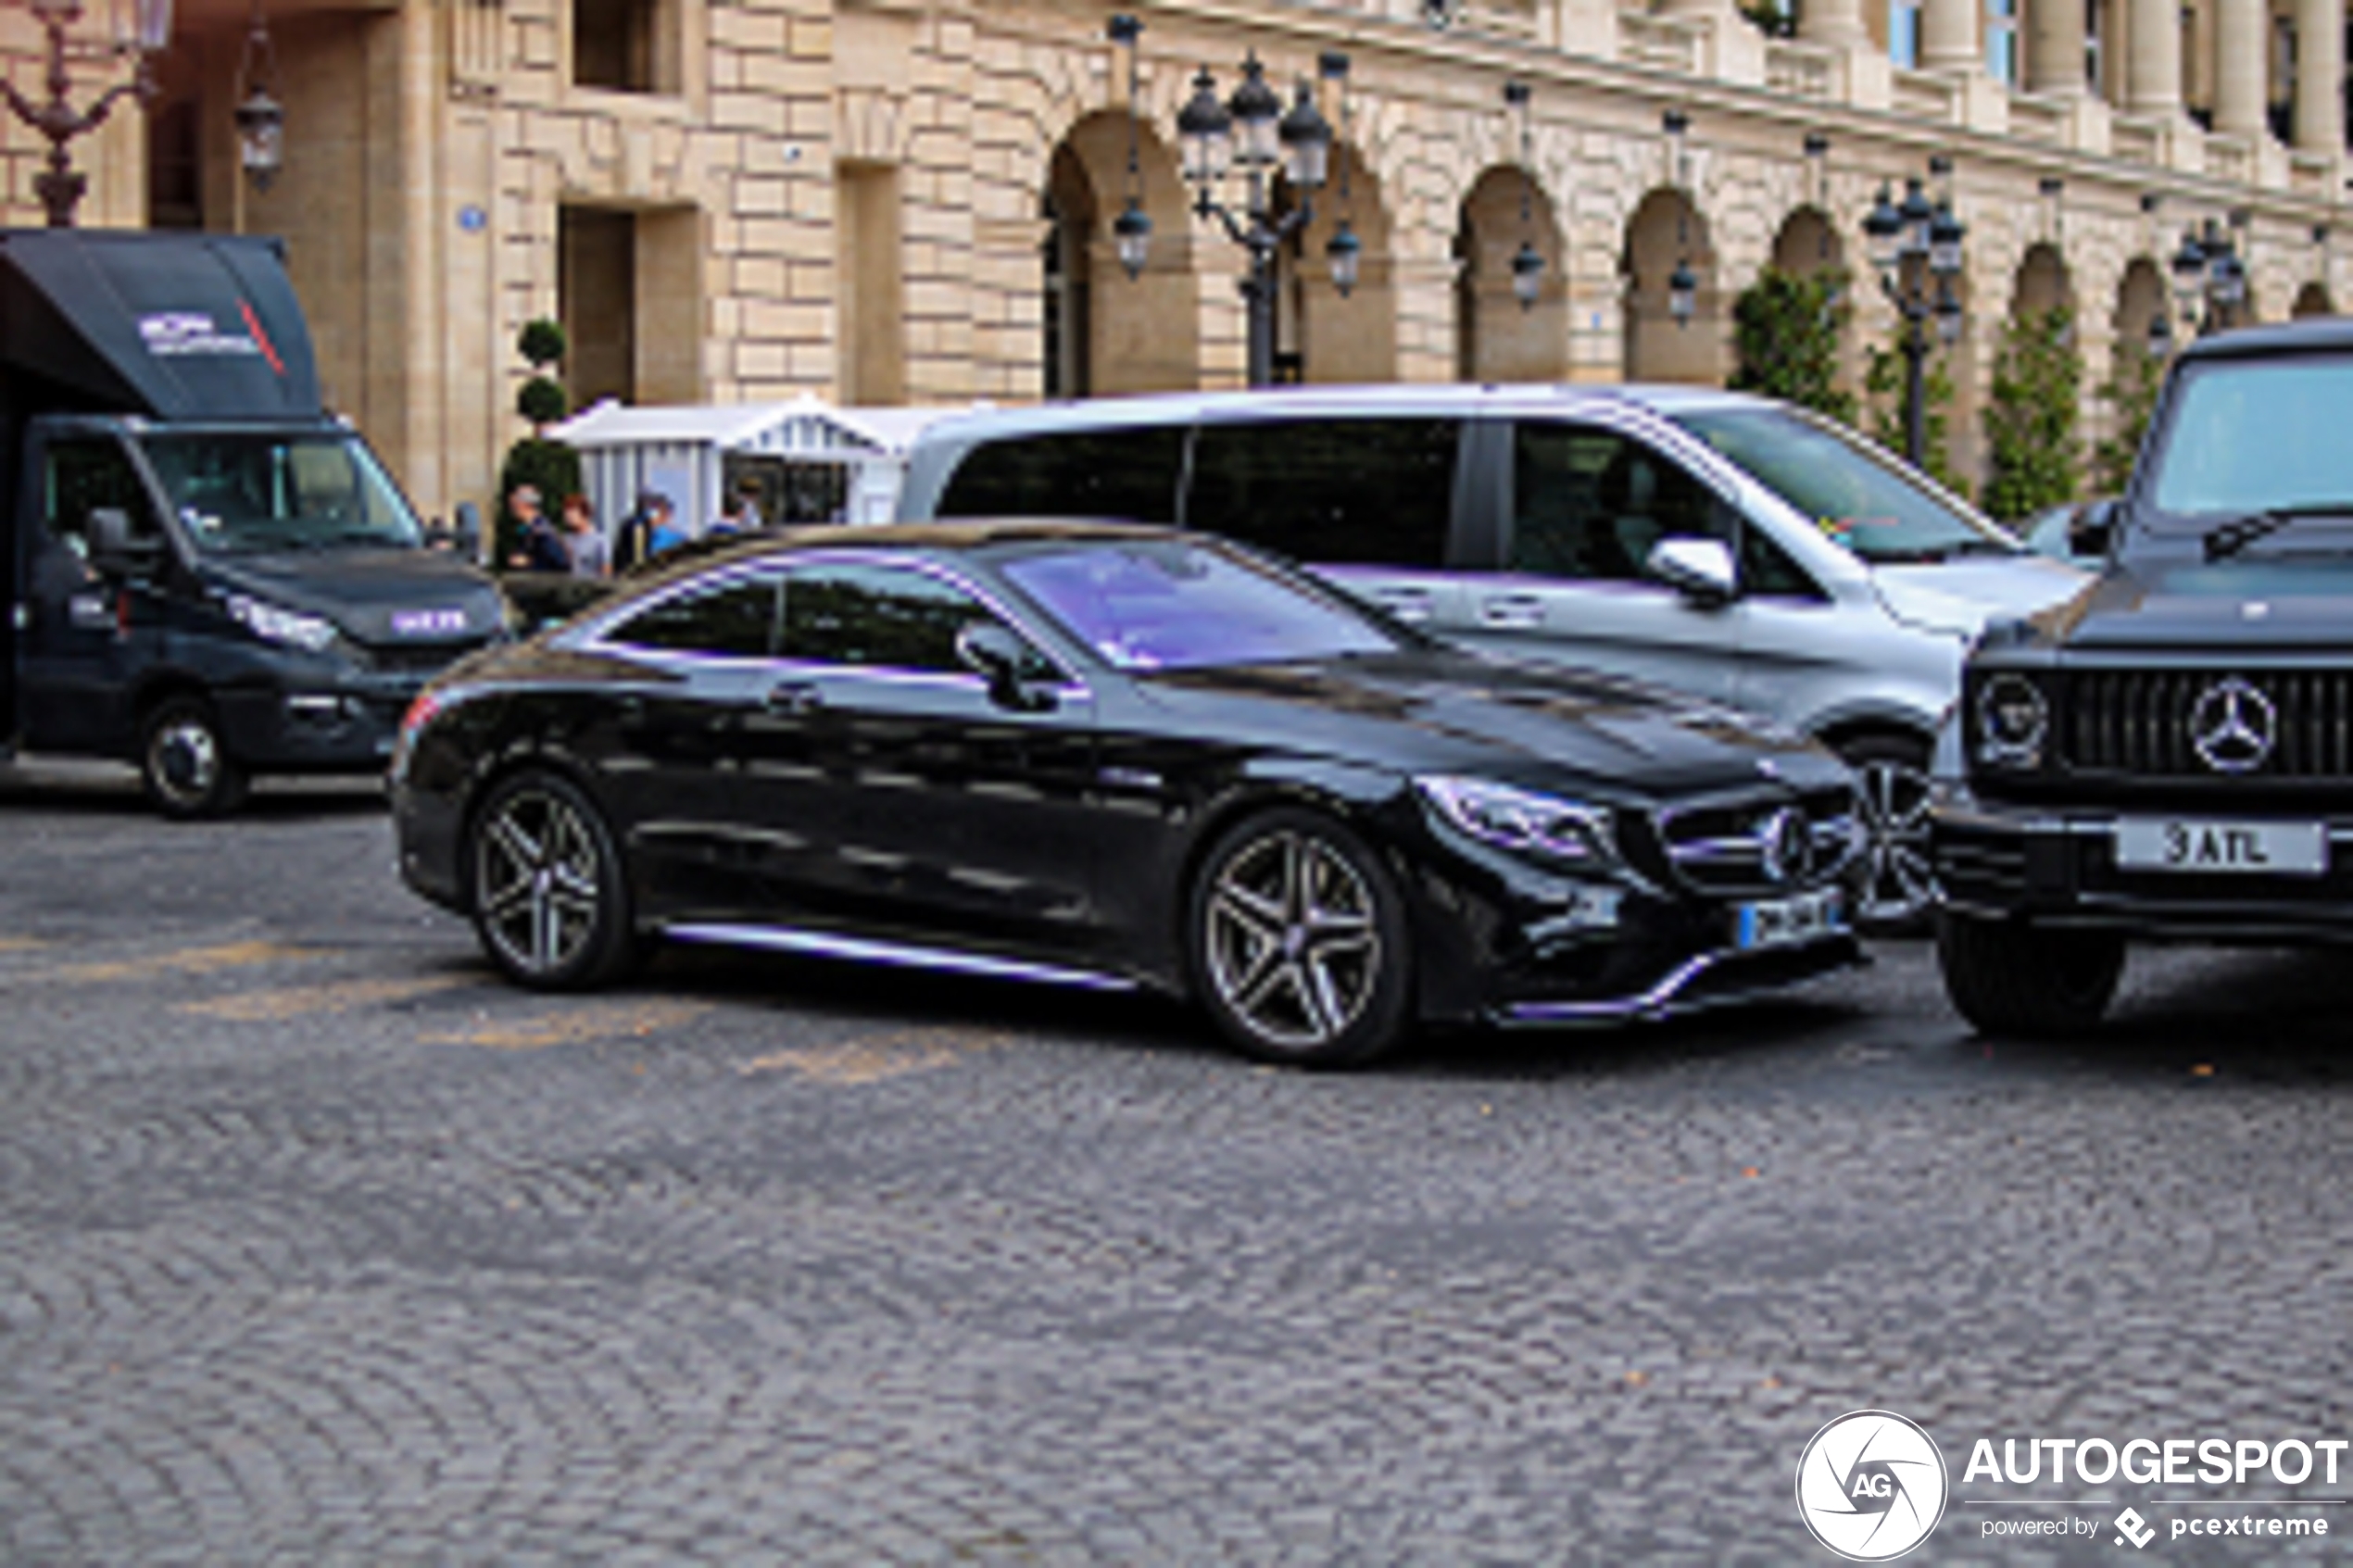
{"x":848,"y":197}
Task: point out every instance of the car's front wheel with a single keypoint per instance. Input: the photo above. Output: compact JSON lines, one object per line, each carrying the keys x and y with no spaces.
{"x":550,"y":893}
{"x":1894,"y":880}
{"x":1299,"y":942}
{"x":185,"y":764}
{"x":2010,"y":977}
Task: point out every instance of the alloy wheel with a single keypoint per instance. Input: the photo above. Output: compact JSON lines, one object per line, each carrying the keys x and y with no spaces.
{"x":536,"y":882}
{"x":1898,"y":880}
{"x":1292,"y":940}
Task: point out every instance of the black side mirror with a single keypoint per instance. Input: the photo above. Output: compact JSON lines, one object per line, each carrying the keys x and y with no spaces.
{"x":114,"y":549}
{"x":465,"y":529}
{"x":2092,"y":530}
{"x":993,"y":652}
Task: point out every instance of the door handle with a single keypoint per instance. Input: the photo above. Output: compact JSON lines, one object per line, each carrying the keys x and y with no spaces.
{"x":793,"y":697}
{"x":1406,"y":603}
{"x":1512,"y":610}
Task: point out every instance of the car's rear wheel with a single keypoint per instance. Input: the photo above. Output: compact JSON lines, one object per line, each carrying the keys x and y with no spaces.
{"x":550,"y":897}
{"x":2010,"y":977}
{"x":185,"y":764}
{"x":1895,"y":878}
{"x":1299,"y":942}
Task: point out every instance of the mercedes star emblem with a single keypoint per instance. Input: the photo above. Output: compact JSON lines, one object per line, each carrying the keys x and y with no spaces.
{"x":2233,"y":726}
{"x":1785,"y":844}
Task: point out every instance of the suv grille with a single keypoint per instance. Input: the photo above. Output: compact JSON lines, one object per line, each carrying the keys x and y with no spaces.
{"x":417,"y":659}
{"x":1742,"y":847}
{"x":2141,"y":721}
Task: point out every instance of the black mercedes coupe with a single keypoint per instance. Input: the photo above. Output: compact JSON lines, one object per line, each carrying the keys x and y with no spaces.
{"x":1121,"y":757}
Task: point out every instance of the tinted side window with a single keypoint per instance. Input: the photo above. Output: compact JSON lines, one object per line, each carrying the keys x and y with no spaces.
{"x":876,"y":615}
{"x":1113,"y":473}
{"x":1590,"y":503}
{"x":84,"y":476}
{"x":1376,"y":491}
{"x":735,"y":621}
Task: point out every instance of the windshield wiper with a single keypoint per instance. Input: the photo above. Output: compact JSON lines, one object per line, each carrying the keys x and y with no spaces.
{"x":2225,"y":540}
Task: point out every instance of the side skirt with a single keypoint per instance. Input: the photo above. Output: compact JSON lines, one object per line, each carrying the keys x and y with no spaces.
{"x":899,"y":955}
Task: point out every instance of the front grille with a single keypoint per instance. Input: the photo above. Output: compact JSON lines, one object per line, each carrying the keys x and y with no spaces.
{"x":416,"y":658}
{"x":2139,"y":722}
{"x":1731,"y":848}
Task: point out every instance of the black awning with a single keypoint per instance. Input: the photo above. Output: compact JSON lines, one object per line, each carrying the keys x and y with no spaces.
{"x":169,"y":325}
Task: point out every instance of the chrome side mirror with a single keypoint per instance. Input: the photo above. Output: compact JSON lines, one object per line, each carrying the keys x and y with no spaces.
{"x":1700,"y":569}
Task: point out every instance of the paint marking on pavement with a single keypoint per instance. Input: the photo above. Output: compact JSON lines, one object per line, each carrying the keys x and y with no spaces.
{"x":182,"y":960}
{"x":575,"y":1026}
{"x":341,"y":996}
{"x":873,"y":1061}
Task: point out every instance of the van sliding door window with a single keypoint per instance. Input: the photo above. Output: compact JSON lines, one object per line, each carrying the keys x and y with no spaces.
{"x":1589,"y":504}
{"x":1377,"y":491}
{"x":1125,"y":474}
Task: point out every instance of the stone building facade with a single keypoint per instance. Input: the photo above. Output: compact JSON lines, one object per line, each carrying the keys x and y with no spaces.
{"x":885,"y":201}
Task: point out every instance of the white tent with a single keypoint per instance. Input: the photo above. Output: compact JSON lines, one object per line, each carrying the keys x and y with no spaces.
{"x":805,"y":460}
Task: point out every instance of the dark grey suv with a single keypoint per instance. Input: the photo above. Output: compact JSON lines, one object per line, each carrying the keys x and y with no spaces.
{"x":2169,"y":755}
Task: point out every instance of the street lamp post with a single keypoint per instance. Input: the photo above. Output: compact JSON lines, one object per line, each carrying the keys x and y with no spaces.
{"x":1916,"y":247}
{"x":61,"y":186}
{"x":2209,"y":282}
{"x":1251,"y":133}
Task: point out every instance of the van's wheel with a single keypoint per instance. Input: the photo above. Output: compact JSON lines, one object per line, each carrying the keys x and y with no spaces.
{"x":1895,"y":879}
{"x":549,"y":895}
{"x":1298,"y":941}
{"x":2007,"y":978}
{"x":184,"y":764}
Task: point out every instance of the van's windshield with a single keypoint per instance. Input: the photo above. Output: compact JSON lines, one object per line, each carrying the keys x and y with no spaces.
{"x":241,"y":492}
{"x":1857,"y":496}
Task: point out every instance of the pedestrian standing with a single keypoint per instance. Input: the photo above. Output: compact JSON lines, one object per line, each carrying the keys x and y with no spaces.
{"x":584,"y":545}
{"x":537,"y":546}
{"x":730,"y":520}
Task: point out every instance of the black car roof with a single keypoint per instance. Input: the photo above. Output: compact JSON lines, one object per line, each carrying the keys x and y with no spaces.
{"x":2318,"y":334}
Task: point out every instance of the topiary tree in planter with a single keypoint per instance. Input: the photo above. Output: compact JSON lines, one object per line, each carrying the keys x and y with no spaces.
{"x":1785,"y":335}
{"x":1883,"y":388}
{"x":2035,"y":449}
{"x":550,"y":467}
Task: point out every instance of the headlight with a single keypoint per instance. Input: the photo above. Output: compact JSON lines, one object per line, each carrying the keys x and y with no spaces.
{"x":2012,"y":722}
{"x":1567,"y":831}
{"x":274,"y":624}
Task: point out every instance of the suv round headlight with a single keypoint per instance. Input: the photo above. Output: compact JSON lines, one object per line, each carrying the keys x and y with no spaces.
{"x":2012,"y":720}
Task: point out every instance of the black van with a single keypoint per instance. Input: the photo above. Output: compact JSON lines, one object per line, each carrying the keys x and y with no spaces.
{"x":206,"y":573}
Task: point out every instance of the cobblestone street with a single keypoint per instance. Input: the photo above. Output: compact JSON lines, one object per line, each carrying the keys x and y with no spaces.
{"x":320,"y":1245}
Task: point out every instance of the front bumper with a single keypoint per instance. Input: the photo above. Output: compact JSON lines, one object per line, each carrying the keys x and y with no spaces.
{"x":1663,"y":956}
{"x":2057,"y":865}
{"x":343,"y":724}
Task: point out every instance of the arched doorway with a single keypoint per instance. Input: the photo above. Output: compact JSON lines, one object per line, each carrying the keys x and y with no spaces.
{"x":1496,"y":337}
{"x":1807,"y":244}
{"x":1667,"y":235}
{"x":1102,"y":332}
{"x":2141,"y":299}
{"x":2313,"y":299}
{"x":2041,"y":283}
{"x":1322,"y":334}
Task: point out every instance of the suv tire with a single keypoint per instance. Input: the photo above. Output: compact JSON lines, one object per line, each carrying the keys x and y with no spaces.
{"x":2010,"y":977}
{"x":185,"y":764}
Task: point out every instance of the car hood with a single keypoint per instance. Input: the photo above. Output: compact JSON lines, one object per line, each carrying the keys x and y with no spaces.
{"x":1960,"y":595}
{"x":2236,"y":605}
{"x":374,"y":597}
{"x":1443,"y":713}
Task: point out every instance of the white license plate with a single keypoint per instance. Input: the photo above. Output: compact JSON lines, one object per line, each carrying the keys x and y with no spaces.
{"x":2159,"y":844}
{"x":1781,"y":921}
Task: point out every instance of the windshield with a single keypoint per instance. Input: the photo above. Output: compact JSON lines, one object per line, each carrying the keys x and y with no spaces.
{"x":1167,"y":604}
{"x":239,"y":490}
{"x":1858,"y":496}
{"x":2255,"y":435}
